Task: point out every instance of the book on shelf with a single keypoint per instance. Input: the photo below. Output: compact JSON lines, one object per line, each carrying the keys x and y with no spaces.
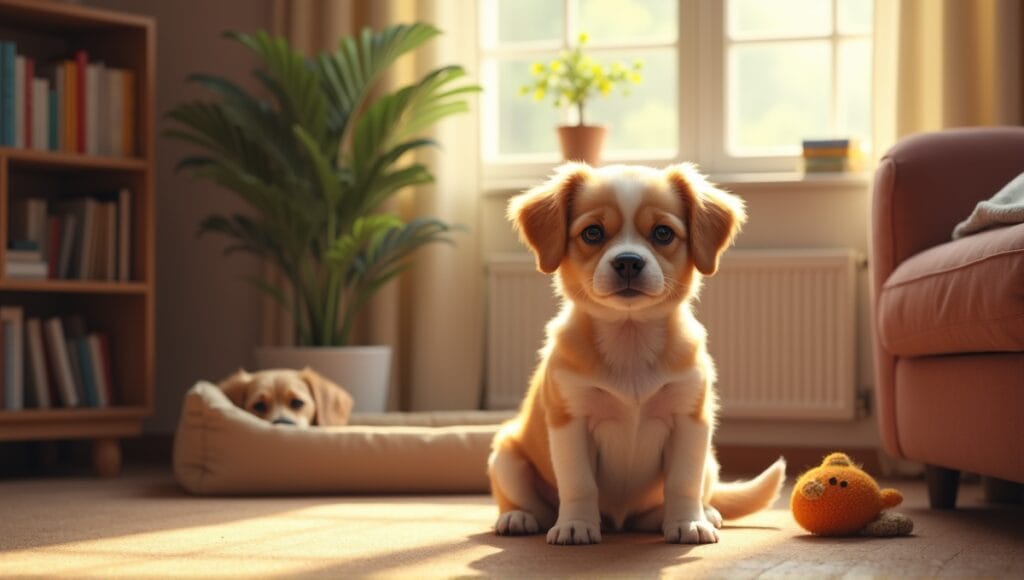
{"x":85,"y":237}
{"x":68,"y":366}
{"x":60,"y":361}
{"x":18,"y":82}
{"x":99,"y":357}
{"x":37,"y":388}
{"x":76,"y":104}
{"x":7,"y":73}
{"x":26,"y":270}
{"x":12,"y":321}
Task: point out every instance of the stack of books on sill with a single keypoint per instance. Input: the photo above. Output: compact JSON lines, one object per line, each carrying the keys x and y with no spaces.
{"x":831,"y":156}
{"x":52,"y":362}
{"x":71,"y":238}
{"x":72,"y":105}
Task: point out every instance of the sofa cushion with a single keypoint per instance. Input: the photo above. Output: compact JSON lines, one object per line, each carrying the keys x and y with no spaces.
{"x":962,"y":296}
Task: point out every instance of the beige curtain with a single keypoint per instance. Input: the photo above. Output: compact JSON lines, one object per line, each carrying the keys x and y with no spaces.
{"x":433,"y":315}
{"x":945,"y":63}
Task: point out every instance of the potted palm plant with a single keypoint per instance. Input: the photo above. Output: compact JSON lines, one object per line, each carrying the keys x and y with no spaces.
{"x":314,"y":162}
{"x":572,"y":79}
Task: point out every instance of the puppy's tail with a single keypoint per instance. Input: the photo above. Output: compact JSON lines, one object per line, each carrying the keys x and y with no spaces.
{"x":736,"y":499}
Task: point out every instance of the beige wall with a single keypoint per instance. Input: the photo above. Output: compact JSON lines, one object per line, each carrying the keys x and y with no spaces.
{"x":206,"y":317}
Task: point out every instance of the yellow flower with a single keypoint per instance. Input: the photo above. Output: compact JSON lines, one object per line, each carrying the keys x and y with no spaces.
{"x":537,"y":68}
{"x":583,"y":38}
{"x":555,"y":66}
{"x":538,"y":94}
{"x":605,"y":87}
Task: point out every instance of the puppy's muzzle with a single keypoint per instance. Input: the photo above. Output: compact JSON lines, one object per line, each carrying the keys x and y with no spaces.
{"x":628,"y":265}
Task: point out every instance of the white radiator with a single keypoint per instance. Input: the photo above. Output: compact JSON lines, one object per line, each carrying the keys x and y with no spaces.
{"x":520,"y":301}
{"x":781,"y":328}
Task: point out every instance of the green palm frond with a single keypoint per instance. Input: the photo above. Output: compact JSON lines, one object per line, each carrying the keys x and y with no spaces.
{"x":313,"y":161}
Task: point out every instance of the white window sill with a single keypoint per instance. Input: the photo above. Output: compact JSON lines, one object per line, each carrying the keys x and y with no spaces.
{"x":742,"y":182}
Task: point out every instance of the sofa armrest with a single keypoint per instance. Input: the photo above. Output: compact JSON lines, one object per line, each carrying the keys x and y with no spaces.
{"x":924,"y":186}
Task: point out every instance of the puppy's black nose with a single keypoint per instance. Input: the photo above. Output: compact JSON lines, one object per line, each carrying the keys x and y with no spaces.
{"x":283,"y":421}
{"x":628,"y":264}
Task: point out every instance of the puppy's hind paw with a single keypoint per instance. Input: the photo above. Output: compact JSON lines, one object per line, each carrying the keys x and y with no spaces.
{"x":516,"y":523}
{"x":687,"y":532}
{"x":575,"y":532}
{"x":713,"y":516}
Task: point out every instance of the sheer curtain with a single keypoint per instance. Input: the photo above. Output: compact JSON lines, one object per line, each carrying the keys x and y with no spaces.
{"x":945,"y":63}
{"x":432,"y":315}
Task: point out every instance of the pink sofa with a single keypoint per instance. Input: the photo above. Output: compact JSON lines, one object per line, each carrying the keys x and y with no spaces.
{"x":949,"y":315}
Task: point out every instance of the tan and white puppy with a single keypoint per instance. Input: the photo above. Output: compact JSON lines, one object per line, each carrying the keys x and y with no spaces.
{"x":616,"y":427}
{"x":289,"y":397}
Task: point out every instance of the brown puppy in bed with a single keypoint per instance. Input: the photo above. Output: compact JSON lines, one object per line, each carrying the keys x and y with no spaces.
{"x":289,"y":397}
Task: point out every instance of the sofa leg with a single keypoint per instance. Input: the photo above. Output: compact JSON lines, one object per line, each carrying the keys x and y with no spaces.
{"x":1002,"y":491}
{"x":942,"y":486}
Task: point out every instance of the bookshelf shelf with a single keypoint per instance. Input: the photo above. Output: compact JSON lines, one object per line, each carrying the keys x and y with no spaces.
{"x":73,"y":286}
{"x":44,"y":415}
{"x":31,"y":158}
{"x":121,"y":313}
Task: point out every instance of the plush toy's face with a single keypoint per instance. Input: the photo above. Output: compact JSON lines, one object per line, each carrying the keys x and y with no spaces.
{"x":836,"y":498}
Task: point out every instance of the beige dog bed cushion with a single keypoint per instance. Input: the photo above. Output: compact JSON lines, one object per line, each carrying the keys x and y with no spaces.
{"x":220,"y":449}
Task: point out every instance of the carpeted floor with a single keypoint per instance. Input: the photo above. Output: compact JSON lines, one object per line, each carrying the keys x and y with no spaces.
{"x":141,"y":525}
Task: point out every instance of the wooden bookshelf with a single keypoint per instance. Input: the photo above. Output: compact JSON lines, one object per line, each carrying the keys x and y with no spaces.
{"x":124,"y":311}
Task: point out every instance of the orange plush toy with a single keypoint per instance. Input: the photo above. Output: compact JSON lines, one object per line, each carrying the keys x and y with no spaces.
{"x":838,"y":498}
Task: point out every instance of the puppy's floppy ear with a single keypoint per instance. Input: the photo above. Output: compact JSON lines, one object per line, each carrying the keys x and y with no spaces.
{"x":714,"y":217}
{"x":236,"y":386}
{"x":333,"y":403}
{"x":542,"y":214}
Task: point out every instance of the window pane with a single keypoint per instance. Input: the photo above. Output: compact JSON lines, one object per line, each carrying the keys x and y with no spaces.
{"x":855,"y":89}
{"x":524,"y":124}
{"x":628,"y":20}
{"x":778,"y":94}
{"x":647,"y":118}
{"x":529,"y":20}
{"x":855,"y":16}
{"x":774,"y":18}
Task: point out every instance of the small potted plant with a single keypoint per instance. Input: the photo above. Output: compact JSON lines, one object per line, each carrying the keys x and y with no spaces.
{"x":571,"y":80}
{"x":314,"y":162}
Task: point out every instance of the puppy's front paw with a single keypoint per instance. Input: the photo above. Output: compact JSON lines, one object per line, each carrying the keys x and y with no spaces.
{"x":690,"y":532}
{"x":516,"y":523}
{"x":574,"y":532}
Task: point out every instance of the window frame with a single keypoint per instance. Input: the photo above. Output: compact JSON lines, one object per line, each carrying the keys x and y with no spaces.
{"x":701,"y":93}
{"x":715,"y":91}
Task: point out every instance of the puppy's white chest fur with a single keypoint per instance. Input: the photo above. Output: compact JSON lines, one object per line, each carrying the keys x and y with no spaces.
{"x":630,"y":412}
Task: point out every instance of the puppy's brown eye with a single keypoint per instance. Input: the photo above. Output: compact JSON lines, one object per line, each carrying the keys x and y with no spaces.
{"x":259,"y":407}
{"x":663,"y":235}
{"x":297,"y":404}
{"x":593,"y":235}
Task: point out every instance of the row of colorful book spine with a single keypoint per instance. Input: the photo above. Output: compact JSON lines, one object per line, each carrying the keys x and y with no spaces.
{"x":72,"y":105}
{"x":71,"y":238}
{"x":52,"y":362}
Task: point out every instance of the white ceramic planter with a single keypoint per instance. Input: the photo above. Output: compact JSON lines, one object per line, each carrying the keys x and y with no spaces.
{"x":363,"y":371}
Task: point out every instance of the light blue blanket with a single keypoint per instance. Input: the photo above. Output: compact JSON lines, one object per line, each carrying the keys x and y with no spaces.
{"x":1005,"y":208}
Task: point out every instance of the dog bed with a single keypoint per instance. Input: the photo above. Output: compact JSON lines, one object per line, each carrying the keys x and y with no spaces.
{"x":220,"y":449}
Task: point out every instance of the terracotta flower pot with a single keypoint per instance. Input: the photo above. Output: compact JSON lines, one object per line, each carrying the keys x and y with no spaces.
{"x":582,"y":142}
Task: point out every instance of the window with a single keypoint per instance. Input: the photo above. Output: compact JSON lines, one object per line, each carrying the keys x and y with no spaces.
{"x":732,"y":84}
{"x":790,"y":78}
